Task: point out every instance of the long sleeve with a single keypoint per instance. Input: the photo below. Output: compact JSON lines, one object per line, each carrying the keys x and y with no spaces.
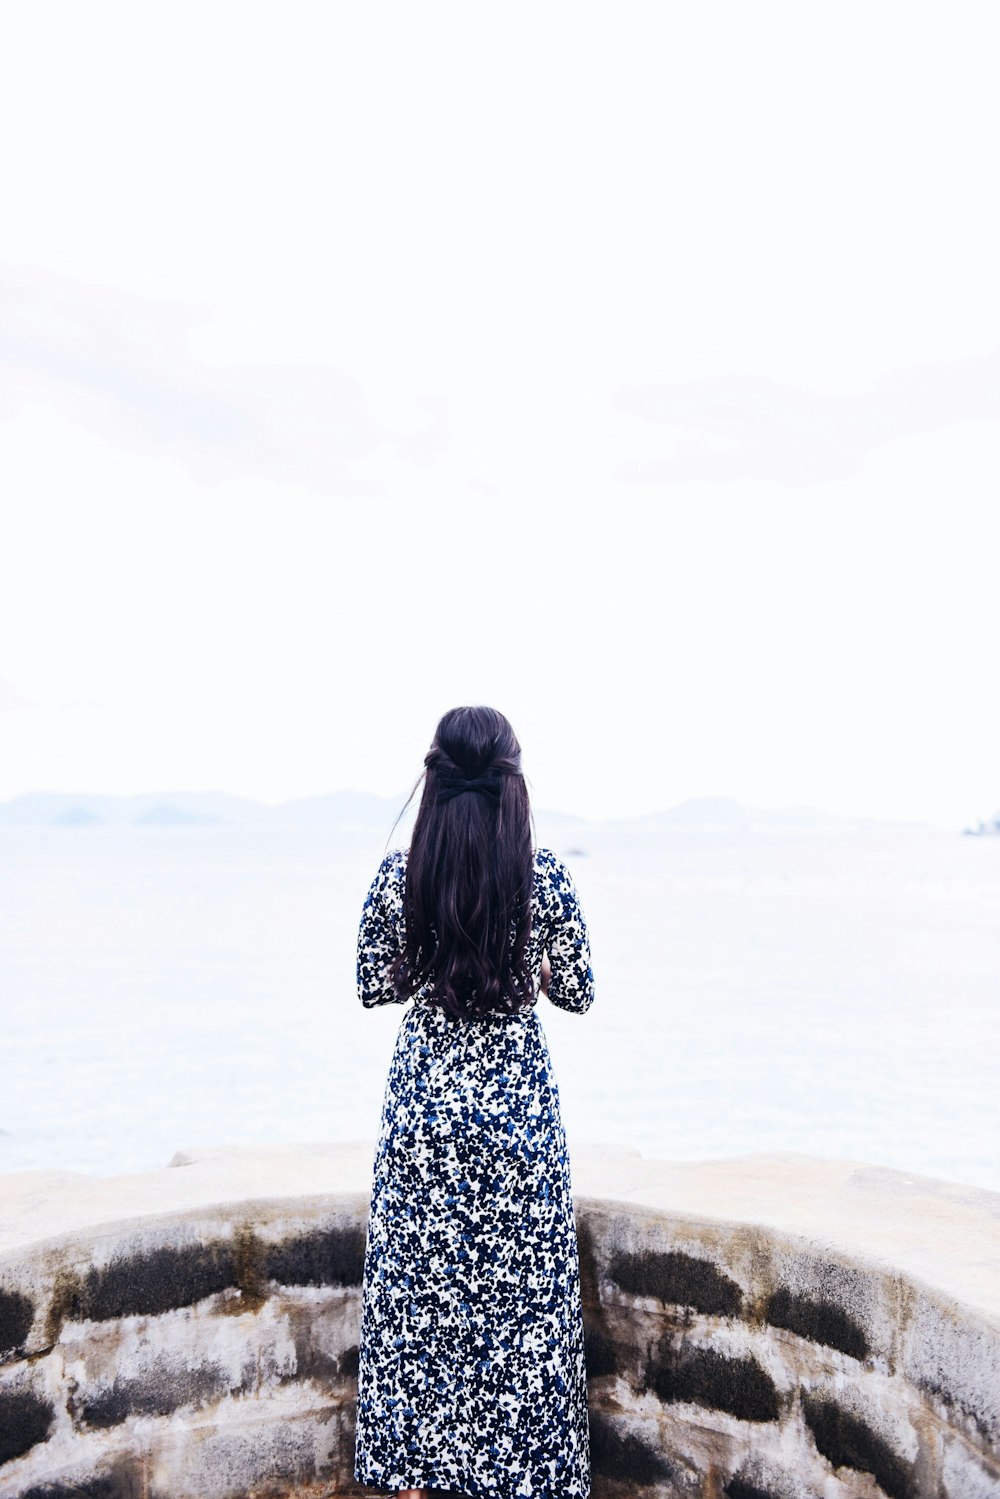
{"x":379,"y":934}
{"x":571,"y":986}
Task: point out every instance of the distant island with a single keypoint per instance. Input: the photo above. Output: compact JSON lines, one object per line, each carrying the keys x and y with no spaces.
{"x":183,"y":809}
{"x":362,"y":811}
{"x":988,"y":829}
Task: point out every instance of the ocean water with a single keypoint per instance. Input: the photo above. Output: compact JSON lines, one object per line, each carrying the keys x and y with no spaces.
{"x":834,"y":991}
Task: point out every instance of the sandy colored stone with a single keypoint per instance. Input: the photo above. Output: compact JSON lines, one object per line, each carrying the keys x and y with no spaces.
{"x":943,"y":1233}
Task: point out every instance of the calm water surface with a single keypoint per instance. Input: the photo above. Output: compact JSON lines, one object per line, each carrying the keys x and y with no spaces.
{"x":834,"y":993}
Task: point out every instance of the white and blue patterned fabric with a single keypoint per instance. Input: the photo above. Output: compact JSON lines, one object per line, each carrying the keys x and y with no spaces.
{"x":471,"y":1371}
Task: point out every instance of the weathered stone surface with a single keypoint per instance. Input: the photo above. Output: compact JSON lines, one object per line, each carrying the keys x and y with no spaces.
{"x":211,"y":1348}
{"x":295,"y":1439}
{"x":967,"y":1475}
{"x":946,"y":1357}
{"x":105,"y":1487}
{"x":324,"y":1340}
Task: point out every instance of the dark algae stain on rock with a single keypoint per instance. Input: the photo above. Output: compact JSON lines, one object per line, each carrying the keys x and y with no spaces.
{"x":820,"y":1321}
{"x":110,"y":1407}
{"x":144,"y":1284}
{"x":323,"y":1257}
{"x":673,"y":1276}
{"x":160,"y":1394}
{"x":624,"y":1456}
{"x":742,"y":1488}
{"x":16,"y":1316}
{"x":25,"y":1421}
{"x":158,"y":1280}
{"x":162,"y":1280}
{"x":599,"y":1351}
{"x":707,"y":1377}
{"x":847,"y":1442}
{"x":122,"y":1483}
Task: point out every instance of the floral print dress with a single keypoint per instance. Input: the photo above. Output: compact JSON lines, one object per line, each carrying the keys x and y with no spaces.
{"x":471,"y":1367}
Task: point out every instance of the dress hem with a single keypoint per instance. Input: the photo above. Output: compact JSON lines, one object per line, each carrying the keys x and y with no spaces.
{"x":428,"y":1479}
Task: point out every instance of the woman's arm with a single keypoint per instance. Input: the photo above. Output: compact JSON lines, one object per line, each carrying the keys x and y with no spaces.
{"x":571,"y":979}
{"x":378,"y":939}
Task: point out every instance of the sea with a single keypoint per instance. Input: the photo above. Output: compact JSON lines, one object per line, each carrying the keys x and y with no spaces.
{"x":824,"y":987}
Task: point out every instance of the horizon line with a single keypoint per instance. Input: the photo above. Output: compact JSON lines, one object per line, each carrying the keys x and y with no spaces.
{"x":401,"y":799}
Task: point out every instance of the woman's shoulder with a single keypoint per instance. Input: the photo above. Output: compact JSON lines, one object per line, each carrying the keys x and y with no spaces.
{"x":550,"y":870}
{"x":392,"y":871}
{"x":545,"y":858}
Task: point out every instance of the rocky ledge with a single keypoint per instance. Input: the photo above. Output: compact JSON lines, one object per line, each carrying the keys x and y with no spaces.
{"x":771,"y":1327}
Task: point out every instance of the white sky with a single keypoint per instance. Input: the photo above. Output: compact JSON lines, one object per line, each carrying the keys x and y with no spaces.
{"x":634,"y":368}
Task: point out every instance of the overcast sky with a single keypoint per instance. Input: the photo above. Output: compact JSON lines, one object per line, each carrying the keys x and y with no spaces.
{"x":633,"y":368}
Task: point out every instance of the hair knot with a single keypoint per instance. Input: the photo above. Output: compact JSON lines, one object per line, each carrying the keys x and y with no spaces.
{"x":453,"y":783}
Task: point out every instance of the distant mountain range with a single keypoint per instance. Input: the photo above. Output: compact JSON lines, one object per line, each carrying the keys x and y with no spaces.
{"x":197,"y":808}
{"x":363,"y":810}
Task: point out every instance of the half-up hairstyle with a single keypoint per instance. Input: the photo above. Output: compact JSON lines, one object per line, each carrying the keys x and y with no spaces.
{"x":467,"y":901}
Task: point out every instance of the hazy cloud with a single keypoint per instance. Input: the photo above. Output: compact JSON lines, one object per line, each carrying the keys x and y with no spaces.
{"x":735,"y":428}
{"x":130,"y":369}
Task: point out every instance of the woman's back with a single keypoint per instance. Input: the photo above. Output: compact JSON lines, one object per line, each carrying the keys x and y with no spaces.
{"x":557,"y":928}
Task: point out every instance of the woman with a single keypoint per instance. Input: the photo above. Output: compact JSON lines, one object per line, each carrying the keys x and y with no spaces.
{"x":471,"y":1369}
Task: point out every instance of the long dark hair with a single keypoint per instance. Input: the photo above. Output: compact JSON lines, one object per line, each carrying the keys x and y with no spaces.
{"x":469,"y":871}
